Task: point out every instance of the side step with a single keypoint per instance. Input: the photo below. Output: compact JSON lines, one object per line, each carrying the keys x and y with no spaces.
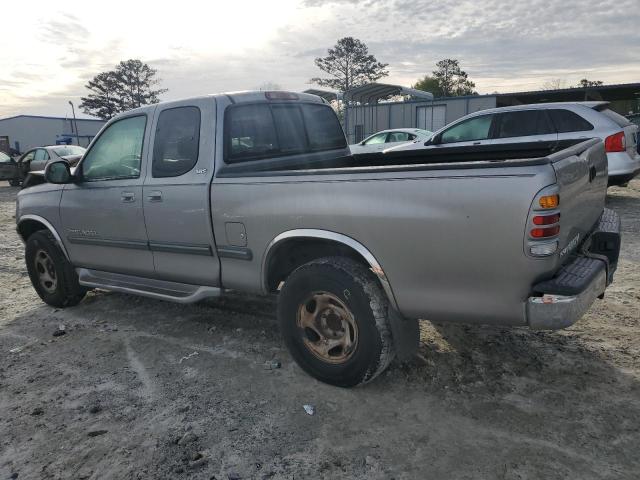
{"x":146,"y":287}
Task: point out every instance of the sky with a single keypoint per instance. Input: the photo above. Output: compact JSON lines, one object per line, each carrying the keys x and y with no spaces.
{"x":49,"y":50}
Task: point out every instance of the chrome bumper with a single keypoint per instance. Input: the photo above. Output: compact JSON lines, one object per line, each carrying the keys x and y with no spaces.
{"x":552,"y":312}
{"x":563,"y":300}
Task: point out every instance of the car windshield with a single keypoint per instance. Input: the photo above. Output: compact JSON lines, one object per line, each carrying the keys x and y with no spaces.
{"x":64,"y":150}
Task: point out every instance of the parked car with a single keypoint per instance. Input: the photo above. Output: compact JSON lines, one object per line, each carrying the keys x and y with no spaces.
{"x":389,"y":138}
{"x":257,"y":192}
{"x":548,"y":122}
{"x":36,"y":159}
{"x":9,"y":170}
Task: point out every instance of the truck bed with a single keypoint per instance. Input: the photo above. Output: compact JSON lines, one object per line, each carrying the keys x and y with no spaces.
{"x":477,"y":156}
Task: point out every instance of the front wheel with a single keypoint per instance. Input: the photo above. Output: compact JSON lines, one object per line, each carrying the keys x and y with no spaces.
{"x":333,"y":317}
{"x":52,"y":275}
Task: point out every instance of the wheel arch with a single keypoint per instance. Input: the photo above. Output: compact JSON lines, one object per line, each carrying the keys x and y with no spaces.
{"x":29,"y":224}
{"x":304,"y":245}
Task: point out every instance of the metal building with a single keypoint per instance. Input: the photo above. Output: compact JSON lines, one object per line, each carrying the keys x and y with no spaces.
{"x":23,"y":132}
{"x":367,"y":109}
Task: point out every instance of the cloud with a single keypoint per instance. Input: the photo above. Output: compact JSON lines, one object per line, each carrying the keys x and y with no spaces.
{"x":503,"y":45}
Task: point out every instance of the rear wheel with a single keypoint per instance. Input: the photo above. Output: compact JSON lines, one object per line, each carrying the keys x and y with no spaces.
{"x":52,"y":275}
{"x":333,"y":317}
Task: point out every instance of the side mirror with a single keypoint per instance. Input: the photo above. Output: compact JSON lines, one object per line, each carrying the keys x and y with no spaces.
{"x":58,"y":172}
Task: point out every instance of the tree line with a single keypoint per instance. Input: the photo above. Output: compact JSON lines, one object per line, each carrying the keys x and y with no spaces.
{"x":348,"y":64}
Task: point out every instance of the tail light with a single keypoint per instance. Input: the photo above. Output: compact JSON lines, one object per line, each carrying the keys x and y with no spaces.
{"x":615,"y":143}
{"x":545,"y":232}
{"x":549,"y":201}
{"x":546,"y":219}
{"x":543,"y":224}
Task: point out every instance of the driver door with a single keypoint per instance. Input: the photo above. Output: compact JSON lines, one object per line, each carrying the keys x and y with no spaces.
{"x":102,"y":213}
{"x":472,"y":131}
{"x":8,"y":167}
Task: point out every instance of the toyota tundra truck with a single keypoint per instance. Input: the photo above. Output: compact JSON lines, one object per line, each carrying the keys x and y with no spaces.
{"x":258,"y":192}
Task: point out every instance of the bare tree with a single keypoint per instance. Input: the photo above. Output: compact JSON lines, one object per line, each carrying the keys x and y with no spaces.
{"x":554,"y":84}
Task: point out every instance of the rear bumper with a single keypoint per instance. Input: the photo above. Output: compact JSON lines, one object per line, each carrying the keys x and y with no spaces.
{"x":561,"y":301}
{"x":622,"y":178}
{"x":622,"y":165}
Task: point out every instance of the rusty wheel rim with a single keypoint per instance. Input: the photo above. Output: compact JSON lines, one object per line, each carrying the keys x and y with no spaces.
{"x":328,"y":328}
{"x":46,"y":271}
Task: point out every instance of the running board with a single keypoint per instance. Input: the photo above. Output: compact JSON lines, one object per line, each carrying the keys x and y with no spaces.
{"x":146,"y":287}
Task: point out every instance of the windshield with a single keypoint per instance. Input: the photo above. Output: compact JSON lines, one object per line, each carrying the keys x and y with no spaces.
{"x":4,"y":157}
{"x":64,"y":150}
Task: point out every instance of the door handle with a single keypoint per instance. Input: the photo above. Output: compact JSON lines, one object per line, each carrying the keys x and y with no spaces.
{"x":155,"y":196}
{"x":477,"y":143}
{"x":128,"y":197}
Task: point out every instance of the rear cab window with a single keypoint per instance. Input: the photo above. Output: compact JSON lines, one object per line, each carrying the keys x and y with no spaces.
{"x":268,"y":130}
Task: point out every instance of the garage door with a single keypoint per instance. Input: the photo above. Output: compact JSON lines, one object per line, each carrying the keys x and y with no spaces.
{"x":431,"y":118}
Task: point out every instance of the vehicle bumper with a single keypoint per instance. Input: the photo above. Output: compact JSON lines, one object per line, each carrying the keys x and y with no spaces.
{"x":622,"y":167}
{"x":621,"y":179}
{"x":564,"y":299}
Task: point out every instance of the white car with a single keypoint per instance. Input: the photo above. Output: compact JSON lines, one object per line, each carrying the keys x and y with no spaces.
{"x":546,"y":122}
{"x":390,"y":138}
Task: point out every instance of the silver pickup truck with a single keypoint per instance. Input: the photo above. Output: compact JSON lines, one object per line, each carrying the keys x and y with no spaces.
{"x":258,"y":192}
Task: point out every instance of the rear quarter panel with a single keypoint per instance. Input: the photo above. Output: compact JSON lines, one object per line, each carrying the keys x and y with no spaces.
{"x":449,"y":241}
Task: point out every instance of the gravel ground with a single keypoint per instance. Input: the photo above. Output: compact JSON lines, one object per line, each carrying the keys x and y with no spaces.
{"x":138,"y":388}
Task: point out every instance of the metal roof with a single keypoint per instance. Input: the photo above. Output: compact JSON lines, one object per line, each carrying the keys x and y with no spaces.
{"x":328,"y":95}
{"x":53,"y":118}
{"x":373,"y":92}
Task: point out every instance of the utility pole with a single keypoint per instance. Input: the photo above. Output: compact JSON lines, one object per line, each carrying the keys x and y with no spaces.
{"x":75,"y":122}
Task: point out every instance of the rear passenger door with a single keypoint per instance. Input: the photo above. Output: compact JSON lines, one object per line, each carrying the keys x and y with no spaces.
{"x":176,"y":193}
{"x":523,"y":126}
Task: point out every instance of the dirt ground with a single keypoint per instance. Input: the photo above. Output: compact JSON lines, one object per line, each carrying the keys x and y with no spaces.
{"x":139,"y":388}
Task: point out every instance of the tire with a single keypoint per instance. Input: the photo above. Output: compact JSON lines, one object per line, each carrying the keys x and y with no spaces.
{"x":14,"y":183}
{"x":52,"y":275}
{"x":336,"y":300}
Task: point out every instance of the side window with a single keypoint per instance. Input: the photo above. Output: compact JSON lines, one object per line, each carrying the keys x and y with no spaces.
{"x":251,"y":132}
{"x":476,"y":128}
{"x":176,"y":145}
{"x":398,"y":137}
{"x":117,"y":152}
{"x":522,"y":124}
{"x":40,"y":155}
{"x":566,"y":121}
{"x":376,"y":139}
{"x":29,"y":156}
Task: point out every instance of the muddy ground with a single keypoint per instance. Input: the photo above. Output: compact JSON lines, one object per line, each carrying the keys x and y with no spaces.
{"x":139,"y":388}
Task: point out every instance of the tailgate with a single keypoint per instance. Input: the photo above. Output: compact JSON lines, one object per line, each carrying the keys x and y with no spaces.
{"x":581,"y":173}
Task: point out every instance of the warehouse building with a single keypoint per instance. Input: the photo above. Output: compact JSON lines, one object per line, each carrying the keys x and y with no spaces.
{"x":368,"y":109}
{"x":23,"y":132}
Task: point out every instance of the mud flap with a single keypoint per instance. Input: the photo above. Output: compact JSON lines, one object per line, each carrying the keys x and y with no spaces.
{"x":406,"y":335}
